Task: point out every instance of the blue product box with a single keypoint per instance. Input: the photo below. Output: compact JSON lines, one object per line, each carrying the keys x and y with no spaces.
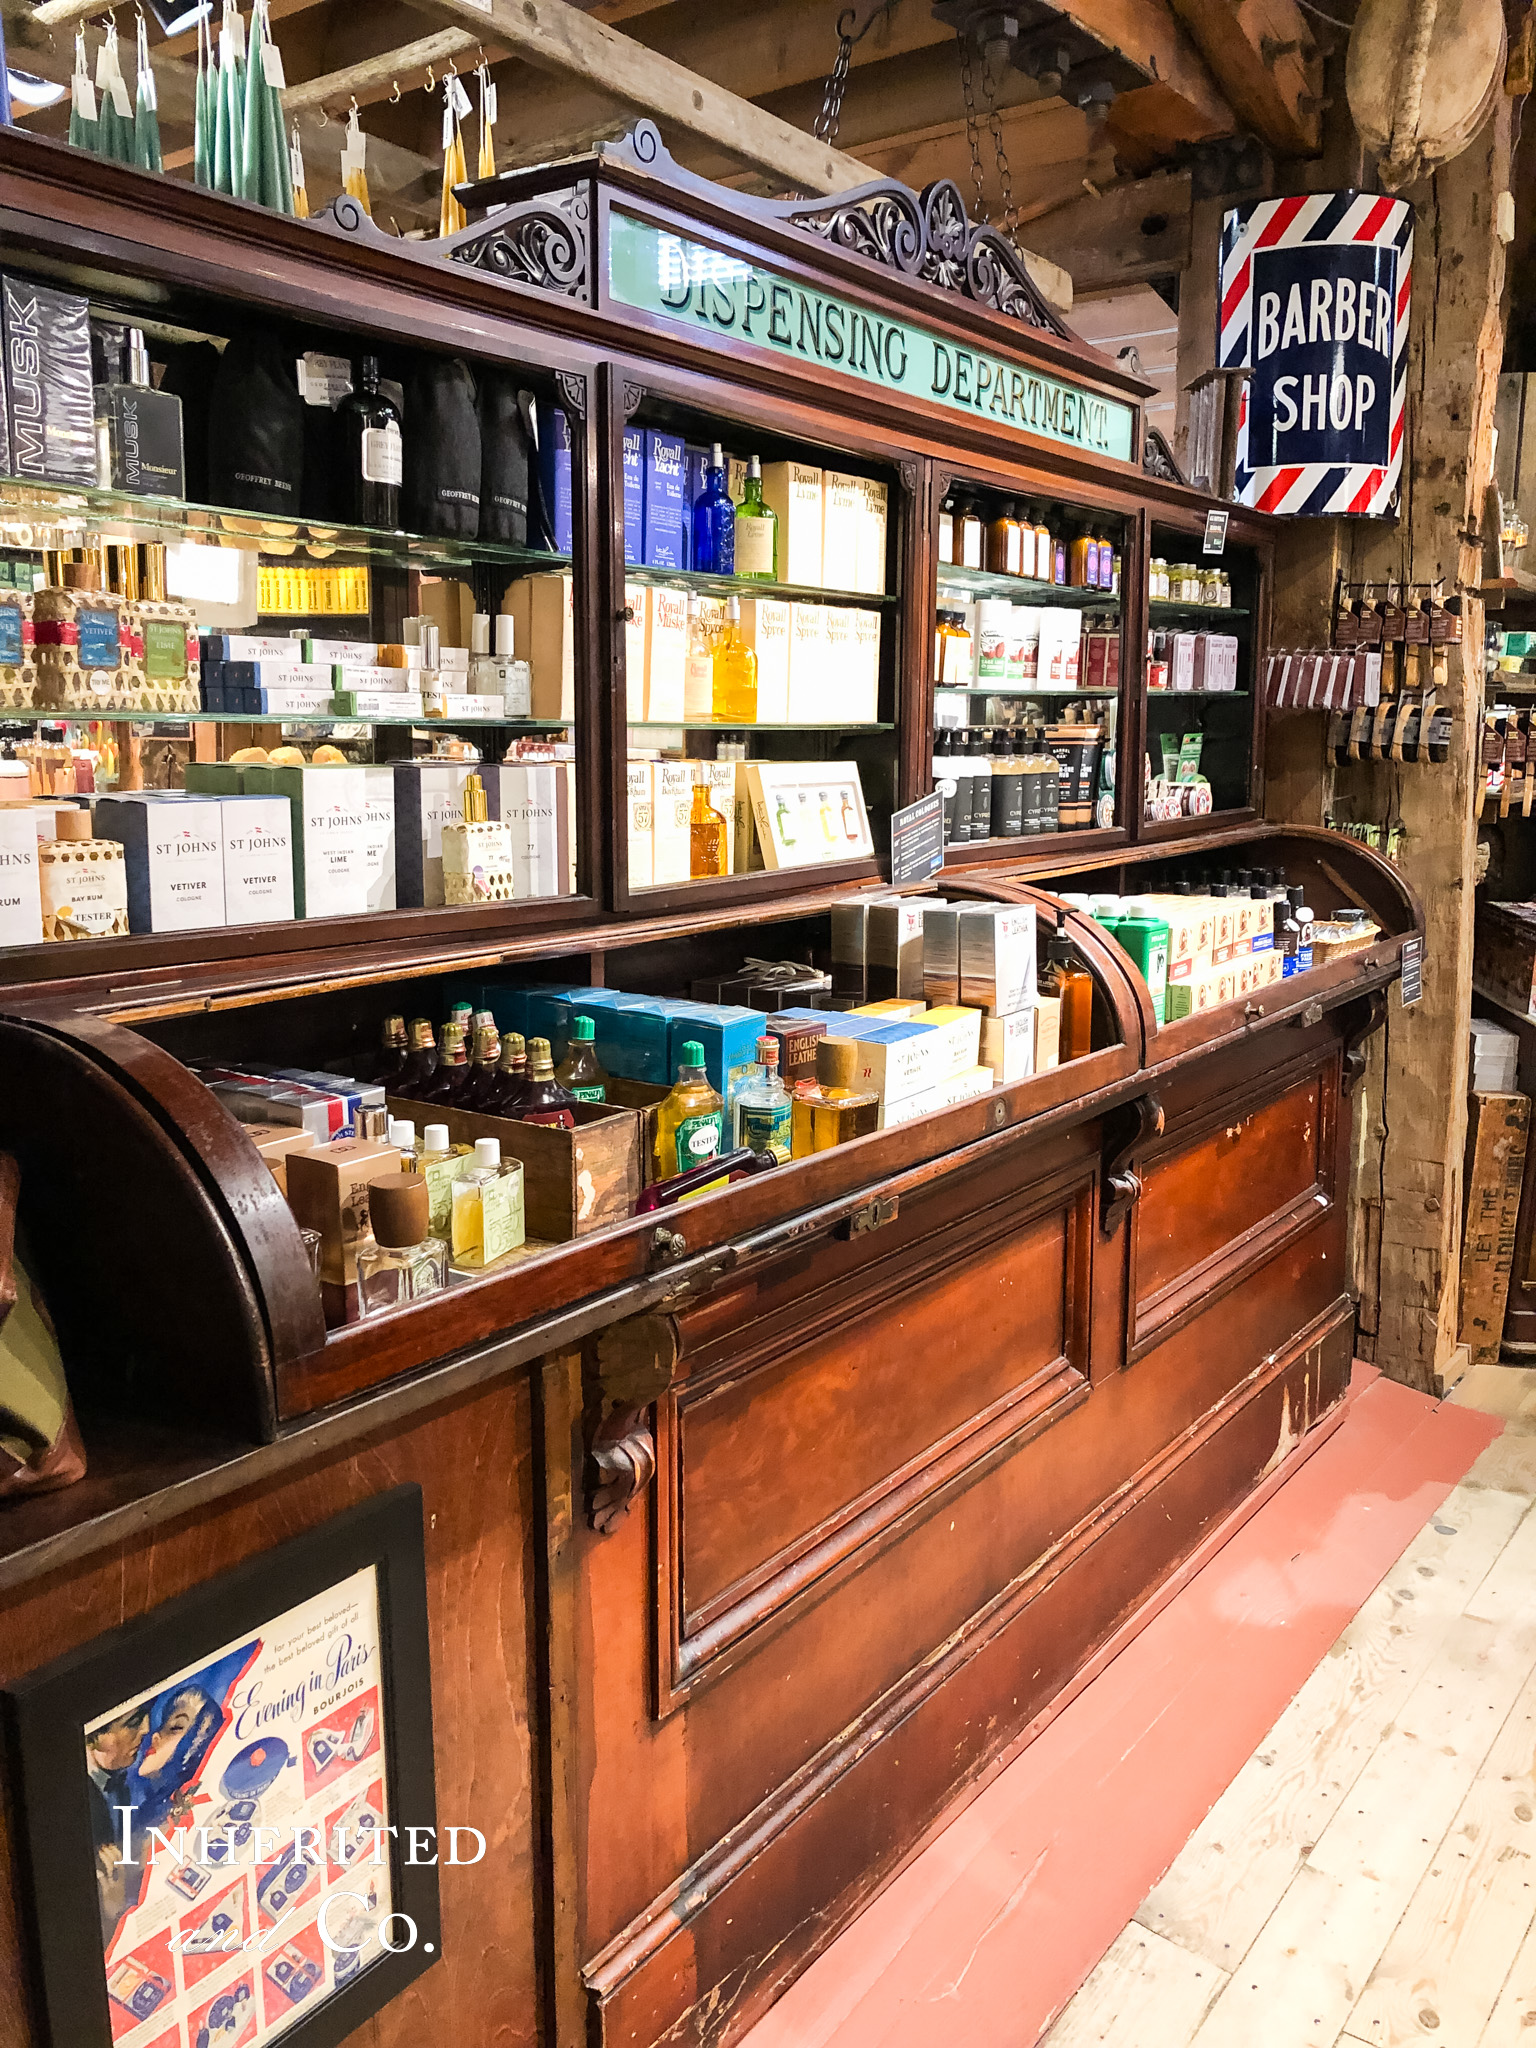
{"x":637,"y":1049}
{"x":728,"y":1034}
{"x":550,"y":1009}
{"x":555,"y":473}
{"x":634,"y":494}
{"x":695,"y":470}
{"x":666,"y":509}
{"x":210,"y":688}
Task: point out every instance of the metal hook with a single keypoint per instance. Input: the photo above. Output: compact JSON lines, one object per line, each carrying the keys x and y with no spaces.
{"x":451,"y":72}
{"x":394,"y":92}
{"x":431,"y":84}
{"x":354,"y":108}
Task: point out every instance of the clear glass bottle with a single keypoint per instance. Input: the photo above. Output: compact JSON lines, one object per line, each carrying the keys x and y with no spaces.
{"x":763,"y":1104}
{"x":947,"y":532}
{"x":547,"y":1101}
{"x":735,"y":676}
{"x":467,"y":1229}
{"x":970,"y":536}
{"x":714,"y":521}
{"x":487,"y":1220}
{"x":706,"y":836}
{"x":405,"y":1262}
{"x":757,"y":529}
{"x":372,"y":426}
{"x":690,"y":1123}
{"x":402,"y":1133}
{"x":580,"y":1070}
{"x":698,"y":665}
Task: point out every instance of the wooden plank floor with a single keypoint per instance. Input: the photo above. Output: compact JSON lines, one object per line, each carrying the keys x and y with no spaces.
{"x":1359,"y":1847}
{"x":1368,"y":1879}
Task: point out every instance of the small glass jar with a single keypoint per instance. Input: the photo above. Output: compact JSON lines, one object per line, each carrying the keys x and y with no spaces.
{"x":1224,"y":589}
{"x":1210,"y":586}
{"x":1159,"y":588}
{"x":405,"y":1263}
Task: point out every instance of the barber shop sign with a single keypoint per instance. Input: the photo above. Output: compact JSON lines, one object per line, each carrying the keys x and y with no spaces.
{"x":1314,"y":302}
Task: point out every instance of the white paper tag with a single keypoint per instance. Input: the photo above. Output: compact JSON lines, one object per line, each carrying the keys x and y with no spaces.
{"x":460,"y":98}
{"x":447,"y":127}
{"x":272,"y":67}
{"x":85,"y":97}
{"x":104,"y":67}
{"x":296,"y":173}
{"x":120,"y":98}
{"x":488,"y":112}
{"x":235,"y":27}
{"x":324,"y":380}
{"x":480,"y":6}
{"x":149,"y":92}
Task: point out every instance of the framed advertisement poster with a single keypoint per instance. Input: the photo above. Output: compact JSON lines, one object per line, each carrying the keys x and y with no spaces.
{"x":227,"y":1806}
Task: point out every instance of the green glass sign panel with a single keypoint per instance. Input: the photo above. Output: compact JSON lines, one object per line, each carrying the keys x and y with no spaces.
{"x":702,"y":289}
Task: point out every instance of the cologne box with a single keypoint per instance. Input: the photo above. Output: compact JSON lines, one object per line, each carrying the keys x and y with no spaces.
{"x":850,"y":944}
{"x":671,"y":811}
{"x":533,"y":799}
{"x":555,"y":474}
{"x":379,"y":835}
{"x":841,"y":519}
{"x":327,"y":814}
{"x":477,"y":862}
{"x":793,"y":492}
{"x":377,"y":704}
{"x":1008,"y":1046}
{"x":295,"y":700}
{"x":633,"y":456}
{"x":963,"y":1087}
{"x":373,"y":676}
{"x":808,"y":812}
{"x":637,"y":608}
{"x":173,"y":856}
{"x":997,"y":958}
{"x":21,"y":904}
{"x":840,"y":657}
{"x":1047,"y":1033}
{"x":258,"y":859}
{"x":340,"y":654}
{"x":666,"y":512}
{"x":941,"y":952}
{"x":49,"y":383}
{"x":641,"y":828}
{"x":543,"y":627}
{"x":275,"y":1142}
{"x":467,"y":704}
{"x":798,"y":1033}
{"x":428,"y":796}
{"x":893,"y":949}
{"x":765,"y":629}
{"x":254,"y":647}
{"x":871,"y":553}
{"x":809,"y":683}
{"x":729,"y":1036}
{"x":328,"y":1192}
{"x":861,"y":699}
{"x":666,"y":653}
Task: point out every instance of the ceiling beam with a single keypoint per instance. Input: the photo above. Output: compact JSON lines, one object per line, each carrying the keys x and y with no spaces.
{"x":1266,"y":63}
{"x":373,"y":77}
{"x":1122,"y":234}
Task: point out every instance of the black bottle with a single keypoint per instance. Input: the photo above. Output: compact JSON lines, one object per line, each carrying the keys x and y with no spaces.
{"x":375,"y":452}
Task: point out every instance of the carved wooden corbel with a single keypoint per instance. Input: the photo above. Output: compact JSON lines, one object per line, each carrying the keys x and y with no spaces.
{"x":1126,"y":1130}
{"x":1364,"y":1020}
{"x":635,"y":1363}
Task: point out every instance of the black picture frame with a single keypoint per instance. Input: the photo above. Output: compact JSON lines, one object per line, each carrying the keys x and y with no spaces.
{"x":46,"y":1713}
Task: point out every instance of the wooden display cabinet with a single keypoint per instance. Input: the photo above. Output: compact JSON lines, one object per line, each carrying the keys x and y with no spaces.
{"x":756,"y":1531}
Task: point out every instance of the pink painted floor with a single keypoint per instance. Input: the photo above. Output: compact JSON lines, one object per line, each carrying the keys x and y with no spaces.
{"x":987,"y":1933}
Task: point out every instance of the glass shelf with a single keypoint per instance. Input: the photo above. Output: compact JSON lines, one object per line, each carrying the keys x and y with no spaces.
{"x":725,"y":726}
{"x":1171,"y":607}
{"x":286,"y":719}
{"x":1210,"y":696}
{"x":1028,"y":690}
{"x":1024,"y":589}
{"x":752,"y":586}
{"x":41,"y":515}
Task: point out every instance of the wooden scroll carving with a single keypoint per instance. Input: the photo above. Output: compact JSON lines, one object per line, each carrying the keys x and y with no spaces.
{"x":635,"y":1362}
{"x":544,"y":242}
{"x":1157,"y":458}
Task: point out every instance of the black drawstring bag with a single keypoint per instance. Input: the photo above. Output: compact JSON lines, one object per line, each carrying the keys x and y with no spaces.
{"x":256,"y":430}
{"x":190,"y":370}
{"x":442,"y":450}
{"x":506,"y":449}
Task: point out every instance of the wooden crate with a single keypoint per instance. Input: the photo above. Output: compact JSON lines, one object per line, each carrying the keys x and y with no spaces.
{"x":573,"y":1181}
{"x":641,"y":1096}
{"x":1496,"y":1140}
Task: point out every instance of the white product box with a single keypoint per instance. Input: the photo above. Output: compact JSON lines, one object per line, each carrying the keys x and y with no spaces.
{"x":543,"y":631}
{"x":1024,"y":643}
{"x":1181,"y":662}
{"x":666,"y":655}
{"x":765,"y":629}
{"x":294,"y":675}
{"x":21,"y":901}
{"x":871,"y":563}
{"x":258,"y":859}
{"x":533,"y":799}
{"x":919,"y":1059}
{"x":1008,"y":1046}
{"x":173,"y":858}
{"x":808,"y":680}
{"x":671,"y":811}
{"x":637,"y":602}
{"x":379,"y":835}
{"x":863,"y":699}
{"x":469,"y":704}
{"x":341,"y":653}
{"x":298,"y":700}
{"x":841,"y":682}
{"x":842,"y":516}
{"x":807,"y":813}
{"x":349,"y":676}
{"x":335,"y":870}
{"x":428,"y":795}
{"x":453,"y":661}
{"x":997,"y":958}
{"x":746,"y":852}
{"x":792,"y":490}
{"x":1047,"y":1033}
{"x":958,"y":1088}
{"x":642,"y":827}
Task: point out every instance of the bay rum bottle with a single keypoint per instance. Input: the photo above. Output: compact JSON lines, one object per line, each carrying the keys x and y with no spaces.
{"x":690,"y":1123}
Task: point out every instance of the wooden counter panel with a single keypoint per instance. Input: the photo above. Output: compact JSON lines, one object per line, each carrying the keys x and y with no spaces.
{"x":473,"y":1461}
{"x":789,"y":1446}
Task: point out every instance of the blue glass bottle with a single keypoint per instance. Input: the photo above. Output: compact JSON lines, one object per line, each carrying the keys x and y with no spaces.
{"x":714,"y":521}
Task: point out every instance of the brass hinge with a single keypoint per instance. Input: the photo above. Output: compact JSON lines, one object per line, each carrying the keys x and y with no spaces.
{"x":870,"y":1216}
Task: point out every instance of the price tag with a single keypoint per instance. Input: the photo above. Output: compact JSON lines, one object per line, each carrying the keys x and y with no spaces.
{"x":917,"y":840}
{"x":1413,"y":970}
{"x":272,"y":67}
{"x":1216,"y":533}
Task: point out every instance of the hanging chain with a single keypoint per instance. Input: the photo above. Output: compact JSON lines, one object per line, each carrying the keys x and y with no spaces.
{"x":1010,"y":221}
{"x":830,"y":117}
{"x":970,"y":121}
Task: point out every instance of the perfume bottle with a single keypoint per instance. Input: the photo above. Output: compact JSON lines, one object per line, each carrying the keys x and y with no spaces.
{"x":690,"y":1123}
{"x":698,"y":666}
{"x":511,"y":1076}
{"x":714,"y":521}
{"x":499,"y":674}
{"x":757,"y":529}
{"x":138,"y":429}
{"x":484,"y":1083}
{"x":581,"y":1071}
{"x":735,"y":677}
{"x":402,"y":1135}
{"x":452,"y":1077}
{"x":376,"y":452}
{"x":833,"y":1108}
{"x":389,"y":1063}
{"x":764,"y":1104}
{"x":83,"y":879}
{"x":706,"y":836}
{"x":547,"y":1100}
{"x":404,"y":1262}
{"x":487,"y":1221}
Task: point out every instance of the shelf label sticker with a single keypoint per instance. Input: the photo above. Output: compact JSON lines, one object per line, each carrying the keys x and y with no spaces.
{"x":1216,"y":533}
{"x":917,"y":840}
{"x":699,"y":288}
{"x":1413,"y":970}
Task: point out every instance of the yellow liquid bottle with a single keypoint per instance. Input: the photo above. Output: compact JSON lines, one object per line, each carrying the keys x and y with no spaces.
{"x":690,"y":1123}
{"x":735,"y":672}
{"x":706,"y":836}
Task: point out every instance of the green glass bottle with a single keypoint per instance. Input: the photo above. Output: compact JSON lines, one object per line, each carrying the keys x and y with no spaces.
{"x":757,"y":530}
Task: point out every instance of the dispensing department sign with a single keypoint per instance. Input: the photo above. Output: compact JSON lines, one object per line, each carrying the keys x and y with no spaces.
{"x":1314,"y":301}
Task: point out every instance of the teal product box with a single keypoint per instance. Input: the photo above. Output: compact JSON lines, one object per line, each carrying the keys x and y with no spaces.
{"x":549,"y":1013}
{"x":728,"y":1034}
{"x":637,"y":1044}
